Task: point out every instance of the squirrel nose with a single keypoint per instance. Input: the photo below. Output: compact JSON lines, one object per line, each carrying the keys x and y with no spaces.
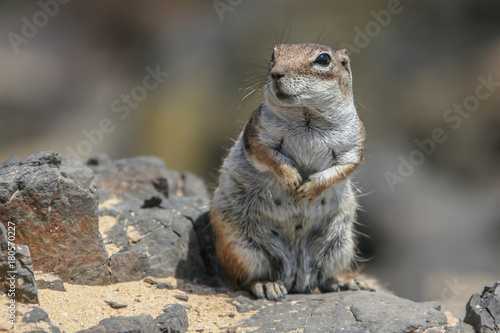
{"x":276,"y":76}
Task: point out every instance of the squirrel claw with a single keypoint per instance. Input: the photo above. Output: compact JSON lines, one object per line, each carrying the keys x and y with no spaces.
{"x":294,"y":185}
{"x":270,"y":290}
{"x":306,"y":192}
{"x":300,"y":199}
{"x":291,"y":180}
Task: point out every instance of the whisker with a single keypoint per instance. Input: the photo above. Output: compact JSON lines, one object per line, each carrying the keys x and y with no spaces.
{"x":321,"y":37}
{"x":364,"y":107}
{"x":285,"y":34}
{"x":255,"y":85}
{"x":357,"y":94}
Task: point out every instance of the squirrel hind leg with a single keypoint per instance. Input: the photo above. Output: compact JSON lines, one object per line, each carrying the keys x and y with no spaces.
{"x":271,"y":290}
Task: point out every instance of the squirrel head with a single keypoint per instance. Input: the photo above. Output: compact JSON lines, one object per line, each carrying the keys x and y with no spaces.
{"x":310,"y":75}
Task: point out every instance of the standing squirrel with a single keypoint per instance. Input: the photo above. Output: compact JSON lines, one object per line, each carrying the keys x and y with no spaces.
{"x":284,"y":209}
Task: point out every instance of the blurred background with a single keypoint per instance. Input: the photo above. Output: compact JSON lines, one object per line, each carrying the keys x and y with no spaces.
{"x":178,"y":79}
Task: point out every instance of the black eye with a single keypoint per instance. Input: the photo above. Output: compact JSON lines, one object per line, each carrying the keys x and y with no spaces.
{"x":323,"y":59}
{"x":272,"y":57}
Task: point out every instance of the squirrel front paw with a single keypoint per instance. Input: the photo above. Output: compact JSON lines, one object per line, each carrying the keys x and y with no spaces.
{"x":309,"y":191}
{"x":290,"y":178}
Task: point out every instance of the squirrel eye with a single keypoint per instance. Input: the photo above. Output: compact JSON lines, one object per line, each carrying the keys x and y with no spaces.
{"x":272,"y":57}
{"x":323,"y":59}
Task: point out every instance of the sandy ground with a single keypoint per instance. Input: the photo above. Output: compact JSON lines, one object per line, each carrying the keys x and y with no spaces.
{"x":82,"y":307}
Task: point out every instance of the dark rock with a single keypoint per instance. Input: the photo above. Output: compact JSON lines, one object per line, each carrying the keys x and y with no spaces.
{"x":138,"y":324}
{"x":57,"y":285}
{"x":49,"y":281}
{"x":173,"y":320}
{"x":134,"y":180}
{"x":98,"y":160}
{"x":182,"y":297}
{"x":483,"y":311}
{"x":53,"y":204}
{"x":37,"y":320}
{"x":16,"y":270}
{"x":4,"y":242}
{"x":36,"y":315}
{"x":26,"y":286}
{"x":359,"y":311}
{"x":164,"y":285}
{"x":116,"y":305}
{"x":128,"y":266}
{"x":148,"y":209}
{"x":81,"y":175}
{"x":42,"y":284}
{"x":147,"y":214}
{"x":152,"y":202}
{"x":172,"y":251}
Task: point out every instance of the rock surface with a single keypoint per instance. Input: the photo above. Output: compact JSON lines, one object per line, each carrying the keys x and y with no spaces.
{"x":37,"y":320}
{"x":359,"y":311}
{"x":16,"y":271}
{"x":128,"y":266}
{"x":154,"y":224}
{"x":115,"y":305}
{"x":483,"y":311}
{"x":49,"y":281}
{"x":173,"y":320}
{"x":53,"y":205}
{"x":147,"y":215}
{"x":142,"y":323}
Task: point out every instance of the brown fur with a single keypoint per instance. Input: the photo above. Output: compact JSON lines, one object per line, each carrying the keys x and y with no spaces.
{"x":236,"y":270}
{"x":264,"y":155}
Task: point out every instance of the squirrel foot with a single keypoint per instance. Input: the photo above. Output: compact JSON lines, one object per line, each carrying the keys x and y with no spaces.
{"x":350,"y":285}
{"x":270,"y":290}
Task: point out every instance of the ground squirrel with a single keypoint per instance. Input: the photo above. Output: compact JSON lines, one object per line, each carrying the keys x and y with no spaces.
{"x":284,"y":209}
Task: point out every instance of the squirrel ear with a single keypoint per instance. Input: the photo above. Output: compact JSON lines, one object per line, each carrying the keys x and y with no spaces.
{"x":344,"y":51}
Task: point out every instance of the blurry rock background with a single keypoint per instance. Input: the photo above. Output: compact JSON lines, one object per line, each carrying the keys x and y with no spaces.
{"x":67,"y":68}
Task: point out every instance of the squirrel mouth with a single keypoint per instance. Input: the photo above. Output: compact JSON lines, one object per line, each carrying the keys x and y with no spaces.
{"x":283,"y":96}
